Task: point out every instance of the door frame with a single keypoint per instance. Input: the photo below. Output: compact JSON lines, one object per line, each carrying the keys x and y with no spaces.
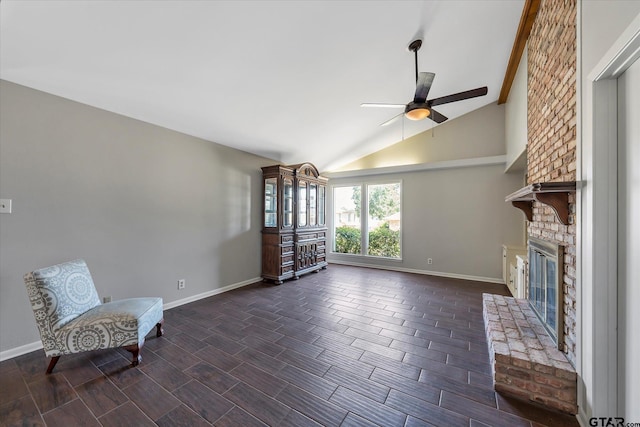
{"x":597,"y":296}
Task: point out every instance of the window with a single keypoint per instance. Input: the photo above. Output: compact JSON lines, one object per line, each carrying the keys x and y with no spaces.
{"x":347,"y":237}
{"x":383,"y":220}
{"x":375,"y":234}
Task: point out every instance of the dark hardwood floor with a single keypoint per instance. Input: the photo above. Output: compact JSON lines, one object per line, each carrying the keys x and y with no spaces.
{"x":345,"y":347}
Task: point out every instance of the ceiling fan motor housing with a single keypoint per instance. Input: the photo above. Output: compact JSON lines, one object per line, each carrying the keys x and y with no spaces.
{"x":417,"y":110}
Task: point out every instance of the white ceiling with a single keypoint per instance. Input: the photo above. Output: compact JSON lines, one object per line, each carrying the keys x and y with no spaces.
{"x":281,"y":79}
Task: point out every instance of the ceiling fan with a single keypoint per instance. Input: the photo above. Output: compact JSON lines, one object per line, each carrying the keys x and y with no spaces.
{"x":420,"y":107}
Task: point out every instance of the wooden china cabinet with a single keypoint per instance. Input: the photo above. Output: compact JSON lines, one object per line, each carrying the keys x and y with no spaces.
{"x":294,"y":219}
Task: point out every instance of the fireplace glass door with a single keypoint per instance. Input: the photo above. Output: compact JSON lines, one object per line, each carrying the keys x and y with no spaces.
{"x":545,"y":285}
{"x":551,"y":291}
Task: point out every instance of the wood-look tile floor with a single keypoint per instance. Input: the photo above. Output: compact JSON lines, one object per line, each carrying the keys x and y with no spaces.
{"x":345,"y":347}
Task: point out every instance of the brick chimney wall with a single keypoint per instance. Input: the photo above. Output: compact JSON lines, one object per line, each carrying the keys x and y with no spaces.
{"x":551,"y":135}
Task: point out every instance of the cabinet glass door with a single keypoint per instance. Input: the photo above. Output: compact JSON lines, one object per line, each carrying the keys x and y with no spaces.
{"x":321,"y":204}
{"x":270,"y":202}
{"x":313,"y":191}
{"x":302,"y":204}
{"x":287,"y":208}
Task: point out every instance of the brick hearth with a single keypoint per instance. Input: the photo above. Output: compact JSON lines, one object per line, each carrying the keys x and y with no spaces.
{"x":526,"y":362}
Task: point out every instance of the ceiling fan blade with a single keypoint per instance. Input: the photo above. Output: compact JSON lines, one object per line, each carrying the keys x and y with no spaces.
{"x":459,"y":96}
{"x":392,"y":119}
{"x":437,"y":117}
{"x":423,"y":86}
{"x":381,"y":105}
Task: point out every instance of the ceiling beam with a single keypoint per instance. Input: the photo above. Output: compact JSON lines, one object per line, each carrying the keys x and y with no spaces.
{"x":529,"y":13}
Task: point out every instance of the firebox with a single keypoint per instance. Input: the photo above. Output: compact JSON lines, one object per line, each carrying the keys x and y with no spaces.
{"x":545,"y":285}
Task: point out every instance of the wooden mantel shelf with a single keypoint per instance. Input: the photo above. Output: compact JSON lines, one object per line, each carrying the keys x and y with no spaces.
{"x":553,"y":194}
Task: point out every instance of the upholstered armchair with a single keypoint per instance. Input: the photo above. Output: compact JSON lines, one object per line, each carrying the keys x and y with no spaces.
{"x":71,"y":318}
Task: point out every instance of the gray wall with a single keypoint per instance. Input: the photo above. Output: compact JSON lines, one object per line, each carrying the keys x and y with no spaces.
{"x":143,"y":205}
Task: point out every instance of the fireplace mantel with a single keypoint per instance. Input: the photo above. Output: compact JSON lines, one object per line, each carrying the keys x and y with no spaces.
{"x":553,"y":194}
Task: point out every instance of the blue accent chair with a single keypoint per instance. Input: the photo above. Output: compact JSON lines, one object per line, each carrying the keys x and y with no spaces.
{"x":71,"y":318}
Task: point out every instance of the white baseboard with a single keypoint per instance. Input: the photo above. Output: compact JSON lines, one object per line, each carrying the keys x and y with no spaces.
{"x":211,"y":293}
{"x":19,"y":351}
{"x":28,"y":348}
{"x":425,"y":272}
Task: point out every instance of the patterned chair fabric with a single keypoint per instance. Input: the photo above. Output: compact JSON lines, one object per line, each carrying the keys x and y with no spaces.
{"x":71,"y":318}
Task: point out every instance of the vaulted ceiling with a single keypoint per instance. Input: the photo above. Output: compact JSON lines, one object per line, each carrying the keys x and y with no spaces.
{"x":281,"y":79}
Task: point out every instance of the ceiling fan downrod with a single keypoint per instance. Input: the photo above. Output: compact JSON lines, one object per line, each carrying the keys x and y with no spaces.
{"x":414,"y":47}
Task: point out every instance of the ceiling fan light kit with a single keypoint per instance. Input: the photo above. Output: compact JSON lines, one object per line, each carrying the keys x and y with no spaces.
{"x":417,"y":111}
{"x":421,"y":108}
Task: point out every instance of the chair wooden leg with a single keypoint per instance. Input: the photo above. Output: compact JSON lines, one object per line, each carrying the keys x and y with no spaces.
{"x":52,"y":364}
{"x":159,"y":330}
{"x":135,"y":351}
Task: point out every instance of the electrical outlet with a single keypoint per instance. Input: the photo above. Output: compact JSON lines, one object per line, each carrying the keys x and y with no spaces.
{"x":106,"y":299}
{"x":5,"y":206}
{"x":181,"y":284}
{"x":429,"y":261}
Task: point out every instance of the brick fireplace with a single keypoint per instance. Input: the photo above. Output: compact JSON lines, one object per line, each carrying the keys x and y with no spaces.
{"x":527,"y":362}
{"x":551,"y":135}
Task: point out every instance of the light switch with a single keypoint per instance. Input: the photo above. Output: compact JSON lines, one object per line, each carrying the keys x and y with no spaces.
{"x":5,"y":205}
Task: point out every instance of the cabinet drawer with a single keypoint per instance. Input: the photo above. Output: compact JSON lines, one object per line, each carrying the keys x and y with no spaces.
{"x":322,"y":235}
{"x":286,"y":250}
{"x":285,"y":269}
{"x":286,"y":259}
{"x":307,"y":236}
{"x":287,"y":238}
